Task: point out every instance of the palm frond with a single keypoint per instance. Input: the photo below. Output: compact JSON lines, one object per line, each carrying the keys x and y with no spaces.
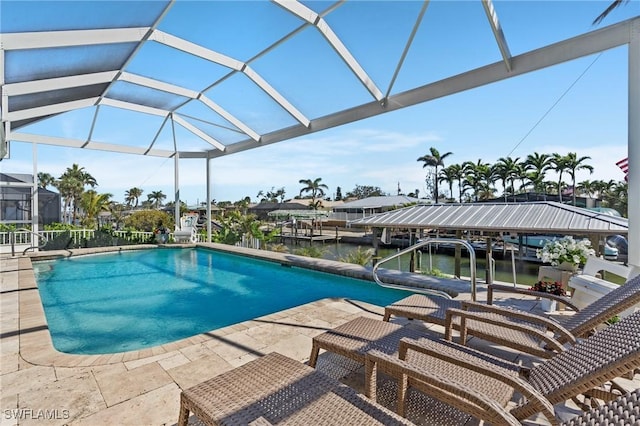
{"x":608,"y":10}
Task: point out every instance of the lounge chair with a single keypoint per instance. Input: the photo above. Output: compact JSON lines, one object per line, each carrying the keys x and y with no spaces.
{"x":583,"y":369}
{"x":519,"y":330}
{"x":275,"y":389}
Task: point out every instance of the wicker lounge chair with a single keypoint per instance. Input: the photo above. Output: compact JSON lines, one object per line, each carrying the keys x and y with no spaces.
{"x":275,"y":389}
{"x":583,"y":369}
{"x":624,"y":410}
{"x":519,"y":330}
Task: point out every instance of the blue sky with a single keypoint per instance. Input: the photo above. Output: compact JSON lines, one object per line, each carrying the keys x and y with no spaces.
{"x":586,"y":100}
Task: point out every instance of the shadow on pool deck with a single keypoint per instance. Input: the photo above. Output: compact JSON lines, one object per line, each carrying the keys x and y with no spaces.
{"x":143,"y":387}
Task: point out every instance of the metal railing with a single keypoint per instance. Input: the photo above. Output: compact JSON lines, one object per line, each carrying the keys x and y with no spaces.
{"x":472,"y":267}
{"x":23,"y":232}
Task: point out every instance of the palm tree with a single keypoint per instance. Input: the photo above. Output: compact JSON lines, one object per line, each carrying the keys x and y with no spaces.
{"x":536,"y":179}
{"x":488,"y":178}
{"x":457,"y":170}
{"x":573,"y":163}
{"x":477,"y":177}
{"x":621,"y":197}
{"x":588,"y":188}
{"x":559,"y":164}
{"x":67,"y":187}
{"x":604,"y":188}
{"x":507,"y":170}
{"x":71,"y":186}
{"x":315,"y":188}
{"x":522,"y":170}
{"x":45,"y":179}
{"x":435,"y":160}
{"x":449,"y":175}
{"x":156,"y":198}
{"x":538,"y":164}
{"x":117,"y":213}
{"x":93,"y":204}
{"x":132,"y":195}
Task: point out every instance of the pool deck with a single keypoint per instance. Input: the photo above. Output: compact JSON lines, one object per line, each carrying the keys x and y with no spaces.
{"x":41,"y":386}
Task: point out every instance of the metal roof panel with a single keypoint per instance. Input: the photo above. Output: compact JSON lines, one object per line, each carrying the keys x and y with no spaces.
{"x":538,"y":217}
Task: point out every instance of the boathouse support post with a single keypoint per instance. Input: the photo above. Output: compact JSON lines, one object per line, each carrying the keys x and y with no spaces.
{"x":412,"y":241}
{"x":597,"y":244}
{"x":458,"y":255}
{"x":375,"y":241}
{"x":489,"y":262}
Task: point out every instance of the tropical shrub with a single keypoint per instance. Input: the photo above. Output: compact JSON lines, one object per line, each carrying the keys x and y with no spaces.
{"x":311,"y":251}
{"x":148,"y":220}
{"x":279,"y":248}
{"x":359,"y":256}
{"x":436,"y":273}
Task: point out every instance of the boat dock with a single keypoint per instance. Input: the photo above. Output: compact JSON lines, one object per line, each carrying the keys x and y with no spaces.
{"x":311,"y":238}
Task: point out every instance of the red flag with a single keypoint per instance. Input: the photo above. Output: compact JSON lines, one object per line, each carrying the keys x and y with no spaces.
{"x":624,"y":166}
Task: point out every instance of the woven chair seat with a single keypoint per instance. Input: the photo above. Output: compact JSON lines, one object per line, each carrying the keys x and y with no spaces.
{"x":622,"y":411}
{"x":275,"y":389}
{"x":419,"y":306}
{"x":357,"y":337}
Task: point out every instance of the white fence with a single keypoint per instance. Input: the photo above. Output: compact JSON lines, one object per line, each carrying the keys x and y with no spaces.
{"x":22,"y":238}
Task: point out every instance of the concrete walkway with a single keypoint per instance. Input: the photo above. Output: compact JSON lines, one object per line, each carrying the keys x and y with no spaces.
{"x":41,"y":386}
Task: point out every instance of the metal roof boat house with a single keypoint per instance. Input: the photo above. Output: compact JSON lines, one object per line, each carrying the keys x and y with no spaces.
{"x":495,"y":219}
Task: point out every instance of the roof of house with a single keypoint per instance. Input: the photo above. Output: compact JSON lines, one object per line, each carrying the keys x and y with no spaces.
{"x":268,"y":206}
{"x":377,"y":202}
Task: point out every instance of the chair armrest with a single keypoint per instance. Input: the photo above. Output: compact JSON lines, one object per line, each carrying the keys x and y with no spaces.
{"x":510,"y":289}
{"x":434,"y":385}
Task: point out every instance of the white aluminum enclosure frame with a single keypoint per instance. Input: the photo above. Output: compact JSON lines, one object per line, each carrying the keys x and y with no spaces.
{"x":621,"y":34}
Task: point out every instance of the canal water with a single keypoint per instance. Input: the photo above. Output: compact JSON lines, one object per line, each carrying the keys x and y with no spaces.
{"x":525,"y":272}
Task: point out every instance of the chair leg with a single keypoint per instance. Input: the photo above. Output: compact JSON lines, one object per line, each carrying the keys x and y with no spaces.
{"x":313,"y":359}
{"x":183,"y":418}
{"x":387,"y":316}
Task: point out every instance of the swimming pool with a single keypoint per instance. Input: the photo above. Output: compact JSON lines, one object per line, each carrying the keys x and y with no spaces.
{"x":136,"y":299}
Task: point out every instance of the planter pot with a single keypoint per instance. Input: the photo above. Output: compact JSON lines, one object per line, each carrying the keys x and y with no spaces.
{"x":567,"y":266}
{"x":548,"y":305}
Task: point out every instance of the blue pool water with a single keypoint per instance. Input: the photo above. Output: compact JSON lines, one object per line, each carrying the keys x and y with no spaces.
{"x":135,"y":299}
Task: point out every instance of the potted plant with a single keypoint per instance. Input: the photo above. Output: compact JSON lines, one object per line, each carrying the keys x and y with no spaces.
{"x":566,"y":253}
{"x":550,"y":287}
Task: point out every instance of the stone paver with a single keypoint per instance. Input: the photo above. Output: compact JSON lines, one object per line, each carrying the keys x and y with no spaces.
{"x":39,"y":385}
